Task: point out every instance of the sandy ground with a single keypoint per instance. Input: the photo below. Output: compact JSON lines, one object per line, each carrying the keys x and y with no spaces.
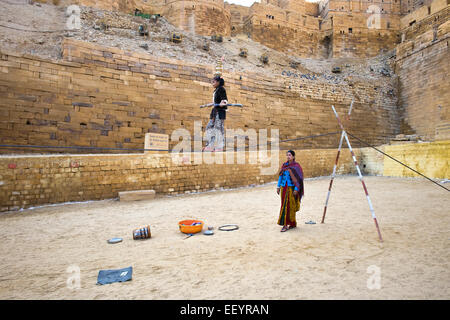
{"x":336,"y":260}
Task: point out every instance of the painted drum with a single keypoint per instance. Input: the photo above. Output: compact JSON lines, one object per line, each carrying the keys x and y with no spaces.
{"x":142,"y":233}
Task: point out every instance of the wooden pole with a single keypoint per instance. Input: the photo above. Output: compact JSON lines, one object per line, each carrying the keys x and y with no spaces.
{"x":359,"y":174}
{"x":335,"y":166}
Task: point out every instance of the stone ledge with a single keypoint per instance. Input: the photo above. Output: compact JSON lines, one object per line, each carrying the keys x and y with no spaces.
{"x":137,"y":195}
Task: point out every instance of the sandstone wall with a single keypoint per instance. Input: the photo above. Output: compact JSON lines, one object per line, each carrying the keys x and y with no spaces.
{"x":361,"y":28}
{"x":312,"y":9}
{"x":289,"y":26}
{"x":125,"y":6}
{"x":353,"y":38}
{"x":287,"y":31}
{"x":435,"y":14}
{"x":293,"y":5}
{"x":238,"y":15}
{"x":423,"y":69}
{"x":28,"y":181}
{"x":203,"y":17}
{"x":344,"y":28}
{"x":408,"y":6}
{"x":385,"y":6}
{"x":431,"y":159}
{"x":371,"y":161}
{"x":108,"y":98}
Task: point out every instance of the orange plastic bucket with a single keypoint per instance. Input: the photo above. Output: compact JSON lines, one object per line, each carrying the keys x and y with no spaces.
{"x":190,"y":226}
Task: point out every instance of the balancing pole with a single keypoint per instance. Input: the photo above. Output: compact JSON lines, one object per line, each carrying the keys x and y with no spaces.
{"x":359,"y":173}
{"x":219,"y":105}
{"x":335,"y":166}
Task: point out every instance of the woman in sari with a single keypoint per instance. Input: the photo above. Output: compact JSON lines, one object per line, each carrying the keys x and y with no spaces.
{"x":290,"y":184}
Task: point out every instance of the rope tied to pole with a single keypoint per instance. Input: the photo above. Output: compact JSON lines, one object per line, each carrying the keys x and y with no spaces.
{"x":390,"y":157}
{"x":167,"y":150}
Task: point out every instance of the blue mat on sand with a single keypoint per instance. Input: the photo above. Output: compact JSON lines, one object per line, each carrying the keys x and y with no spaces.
{"x":111,"y":276}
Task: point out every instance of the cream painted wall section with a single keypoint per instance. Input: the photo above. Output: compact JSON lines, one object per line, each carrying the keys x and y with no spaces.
{"x":431,"y":159}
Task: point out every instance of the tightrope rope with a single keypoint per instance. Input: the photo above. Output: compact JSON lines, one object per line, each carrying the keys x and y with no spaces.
{"x":369,"y":145}
{"x":75,"y":147}
{"x":136,"y":149}
{"x":281,"y":141}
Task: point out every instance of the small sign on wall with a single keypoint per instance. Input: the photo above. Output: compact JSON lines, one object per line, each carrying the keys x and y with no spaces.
{"x":156,"y":142}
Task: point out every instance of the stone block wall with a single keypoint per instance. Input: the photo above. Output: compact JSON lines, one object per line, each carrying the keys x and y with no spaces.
{"x":353,"y":6}
{"x":238,"y":15}
{"x":424,"y":20}
{"x":125,"y":6}
{"x":296,"y":28}
{"x":430,"y":158}
{"x":408,"y":6}
{"x":108,"y":98}
{"x":293,"y":5}
{"x":286,"y":38}
{"x":371,"y":161}
{"x":423,"y":68}
{"x":361,"y":28}
{"x":312,"y":9}
{"x":353,"y":38}
{"x":287,"y":31}
{"x":203,"y":17}
{"x":27,"y":181}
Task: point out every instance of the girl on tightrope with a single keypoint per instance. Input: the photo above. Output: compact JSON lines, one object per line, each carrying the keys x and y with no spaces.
{"x":215,"y":130}
{"x":290,"y":183}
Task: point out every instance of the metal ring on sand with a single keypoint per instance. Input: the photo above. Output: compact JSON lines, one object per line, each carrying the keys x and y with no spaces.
{"x":229,"y":227}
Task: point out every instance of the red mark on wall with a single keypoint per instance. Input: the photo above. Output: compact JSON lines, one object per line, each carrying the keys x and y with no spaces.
{"x":12,"y":166}
{"x":74,"y":164}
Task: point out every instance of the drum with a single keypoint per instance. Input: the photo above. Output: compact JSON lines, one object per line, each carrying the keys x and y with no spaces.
{"x":142,"y":233}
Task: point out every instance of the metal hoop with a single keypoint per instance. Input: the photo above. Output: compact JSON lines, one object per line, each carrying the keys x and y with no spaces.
{"x":225,"y":227}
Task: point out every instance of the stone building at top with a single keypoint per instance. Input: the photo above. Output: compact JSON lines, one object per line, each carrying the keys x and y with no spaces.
{"x":203,"y":17}
{"x":325,"y":29}
{"x":330,"y":28}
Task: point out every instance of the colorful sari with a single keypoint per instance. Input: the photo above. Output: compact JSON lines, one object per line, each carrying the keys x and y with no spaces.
{"x":290,"y":204}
